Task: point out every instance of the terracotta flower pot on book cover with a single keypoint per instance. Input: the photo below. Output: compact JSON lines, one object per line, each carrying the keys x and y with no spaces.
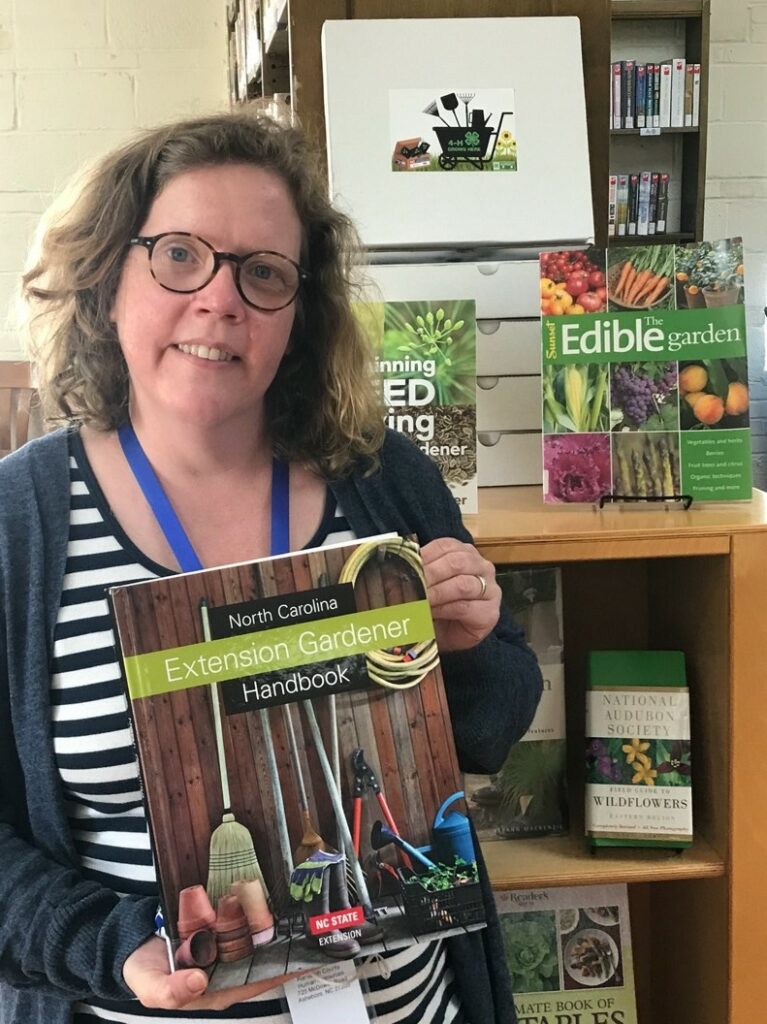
{"x":199,"y":950}
{"x":195,"y":911}
{"x":694,"y":297}
{"x":230,"y":916}
{"x":253,"y":901}
{"x":716,"y":297}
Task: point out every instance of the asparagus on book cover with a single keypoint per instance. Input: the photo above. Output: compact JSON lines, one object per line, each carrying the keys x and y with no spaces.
{"x":570,"y":955}
{"x":650,"y":400}
{"x":297,"y":759}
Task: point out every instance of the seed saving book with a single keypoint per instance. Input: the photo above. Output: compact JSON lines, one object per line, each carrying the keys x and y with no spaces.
{"x":427,"y":371}
{"x":638,"y":762}
{"x":645,"y":390}
{"x":569,"y":954}
{"x":528,"y":796}
{"x":297,"y":760}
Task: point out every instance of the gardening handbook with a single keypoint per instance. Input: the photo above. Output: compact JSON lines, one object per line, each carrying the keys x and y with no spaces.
{"x":645,"y":381}
{"x":297,"y":760}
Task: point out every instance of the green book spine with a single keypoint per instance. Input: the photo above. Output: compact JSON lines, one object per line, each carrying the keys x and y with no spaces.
{"x":638,"y":774}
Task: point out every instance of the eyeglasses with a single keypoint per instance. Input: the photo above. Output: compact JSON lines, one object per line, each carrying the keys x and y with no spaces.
{"x":182,"y":262}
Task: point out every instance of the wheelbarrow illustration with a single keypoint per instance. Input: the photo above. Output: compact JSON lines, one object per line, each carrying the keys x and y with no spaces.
{"x":467,"y":145}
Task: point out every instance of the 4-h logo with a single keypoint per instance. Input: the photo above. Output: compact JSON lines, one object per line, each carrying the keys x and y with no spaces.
{"x":472,"y":139}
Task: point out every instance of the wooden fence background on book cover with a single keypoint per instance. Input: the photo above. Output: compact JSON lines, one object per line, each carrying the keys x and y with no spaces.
{"x":406,"y":735}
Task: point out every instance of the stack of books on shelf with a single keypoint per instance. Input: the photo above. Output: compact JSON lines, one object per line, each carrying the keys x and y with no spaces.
{"x":638,"y":203}
{"x":664,"y":95}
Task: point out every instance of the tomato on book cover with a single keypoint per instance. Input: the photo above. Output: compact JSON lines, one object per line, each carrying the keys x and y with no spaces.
{"x":297,"y":759}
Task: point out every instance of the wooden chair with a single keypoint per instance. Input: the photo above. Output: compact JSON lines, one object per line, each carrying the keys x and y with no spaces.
{"x":16,"y":397}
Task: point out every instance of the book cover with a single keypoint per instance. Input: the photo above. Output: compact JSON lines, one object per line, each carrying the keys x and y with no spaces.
{"x":638,"y":771}
{"x":569,"y":953}
{"x":633,"y":204}
{"x":653,"y":216}
{"x":664,"y":120}
{"x":650,"y":399}
{"x":297,"y":759}
{"x":662,"y":215}
{"x":656,"y":95}
{"x":427,"y":367}
{"x":643,"y":215}
{"x":622,"y":205}
{"x":628,"y":121}
{"x":696,"y":96}
{"x":640,"y":94}
{"x":688,"y":92}
{"x":528,"y":796}
{"x":678,"y":66}
{"x":616,"y":94}
{"x":612,"y":203}
{"x":649,"y":95}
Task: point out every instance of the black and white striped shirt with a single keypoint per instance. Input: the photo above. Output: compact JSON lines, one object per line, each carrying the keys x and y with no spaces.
{"x":99,"y":771}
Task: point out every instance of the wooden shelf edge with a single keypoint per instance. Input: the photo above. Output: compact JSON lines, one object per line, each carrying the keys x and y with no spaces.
{"x":566,"y":860}
{"x":640,"y":9}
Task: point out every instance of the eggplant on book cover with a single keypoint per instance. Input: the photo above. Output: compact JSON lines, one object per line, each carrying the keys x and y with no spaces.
{"x":297,"y":759}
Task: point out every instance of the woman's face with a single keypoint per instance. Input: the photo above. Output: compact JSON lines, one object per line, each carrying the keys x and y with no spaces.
{"x":207,"y":356}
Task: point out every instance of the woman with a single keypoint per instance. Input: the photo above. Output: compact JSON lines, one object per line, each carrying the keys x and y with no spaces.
{"x":196,"y":291}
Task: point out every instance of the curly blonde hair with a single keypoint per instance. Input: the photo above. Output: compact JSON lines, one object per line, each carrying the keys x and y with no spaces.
{"x":322,"y":408}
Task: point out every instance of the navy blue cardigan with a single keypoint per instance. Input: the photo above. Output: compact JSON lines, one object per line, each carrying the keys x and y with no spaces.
{"x":63,"y":938}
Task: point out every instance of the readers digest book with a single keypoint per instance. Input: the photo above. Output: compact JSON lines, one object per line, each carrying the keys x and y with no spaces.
{"x":569,"y":954}
{"x":528,"y":796}
{"x":297,"y":760}
{"x":638,"y":771}
{"x":645,"y":376}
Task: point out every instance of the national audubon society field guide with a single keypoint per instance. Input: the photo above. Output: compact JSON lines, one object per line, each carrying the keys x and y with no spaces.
{"x":297,"y":760}
{"x":645,"y":383}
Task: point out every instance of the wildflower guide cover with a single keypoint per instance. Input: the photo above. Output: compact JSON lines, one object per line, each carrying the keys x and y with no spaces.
{"x":569,"y":954}
{"x":645,"y":382}
{"x":297,"y":760}
{"x":638,"y":768}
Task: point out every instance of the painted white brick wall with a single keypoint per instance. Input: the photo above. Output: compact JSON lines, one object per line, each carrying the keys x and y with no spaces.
{"x":76,"y":78}
{"x":736,"y":185}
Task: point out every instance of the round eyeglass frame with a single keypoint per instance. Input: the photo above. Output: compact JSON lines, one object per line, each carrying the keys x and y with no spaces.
{"x":149,"y":242}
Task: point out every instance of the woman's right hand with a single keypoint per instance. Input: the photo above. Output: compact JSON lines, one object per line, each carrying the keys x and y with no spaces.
{"x":146,"y":972}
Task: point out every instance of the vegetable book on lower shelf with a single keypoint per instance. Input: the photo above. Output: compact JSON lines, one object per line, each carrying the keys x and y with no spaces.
{"x":297,"y":760}
{"x":645,"y":378}
{"x":569,"y":954}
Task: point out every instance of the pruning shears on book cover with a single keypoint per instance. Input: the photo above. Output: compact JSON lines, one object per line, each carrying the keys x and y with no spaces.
{"x":365,"y":778}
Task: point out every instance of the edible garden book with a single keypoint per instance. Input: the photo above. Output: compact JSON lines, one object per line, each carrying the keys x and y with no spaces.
{"x":297,"y":760}
{"x":638,"y":768}
{"x":645,"y":377}
{"x":569,"y":954}
{"x":528,"y":796}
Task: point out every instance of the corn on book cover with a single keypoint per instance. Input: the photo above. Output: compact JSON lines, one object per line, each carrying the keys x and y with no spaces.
{"x":569,"y":954}
{"x":644,"y":373}
{"x":297,"y":760}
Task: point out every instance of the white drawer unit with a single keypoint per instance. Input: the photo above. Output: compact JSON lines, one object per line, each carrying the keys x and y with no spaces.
{"x":501,"y":289}
{"x":508,"y":347}
{"x":509,"y":403}
{"x":509,"y":459}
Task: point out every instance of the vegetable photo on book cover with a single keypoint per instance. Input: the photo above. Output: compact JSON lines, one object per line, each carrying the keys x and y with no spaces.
{"x":297,"y":759}
{"x":645,"y":377}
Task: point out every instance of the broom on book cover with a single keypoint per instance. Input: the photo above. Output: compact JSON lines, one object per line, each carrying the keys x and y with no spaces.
{"x":232,"y":856}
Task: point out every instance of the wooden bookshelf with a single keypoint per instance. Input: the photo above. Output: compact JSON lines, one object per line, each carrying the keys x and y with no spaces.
{"x":663,"y":578}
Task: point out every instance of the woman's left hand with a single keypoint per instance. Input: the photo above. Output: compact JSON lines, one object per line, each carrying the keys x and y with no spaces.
{"x":464,"y":597}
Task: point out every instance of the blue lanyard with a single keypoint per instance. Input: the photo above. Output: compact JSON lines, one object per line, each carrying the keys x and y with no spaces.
{"x":168,"y":520}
